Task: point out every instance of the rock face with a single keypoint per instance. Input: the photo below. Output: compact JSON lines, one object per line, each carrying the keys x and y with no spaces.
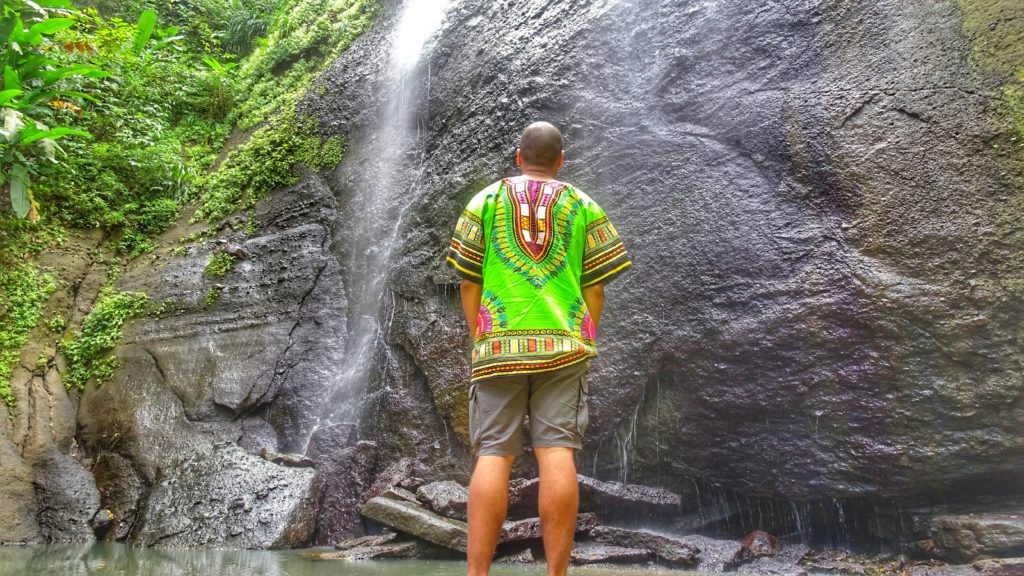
{"x":226,"y":497}
{"x":817,"y":183}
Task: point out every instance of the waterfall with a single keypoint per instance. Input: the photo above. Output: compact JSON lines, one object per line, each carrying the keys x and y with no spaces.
{"x":381,"y":192}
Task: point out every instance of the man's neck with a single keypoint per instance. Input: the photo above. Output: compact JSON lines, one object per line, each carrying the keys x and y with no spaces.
{"x":534,"y":173}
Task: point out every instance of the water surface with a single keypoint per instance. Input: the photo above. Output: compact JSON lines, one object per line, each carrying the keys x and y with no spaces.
{"x":121,"y":560}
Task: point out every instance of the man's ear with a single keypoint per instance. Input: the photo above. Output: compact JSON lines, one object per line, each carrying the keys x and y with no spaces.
{"x":519,"y":157}
{"x":561,"y":159}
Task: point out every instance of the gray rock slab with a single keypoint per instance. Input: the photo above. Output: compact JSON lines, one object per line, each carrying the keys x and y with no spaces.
{"x":671,"y":549}
{"x":589,"y":552}
{"x":988,"y":567}
{"x":445,"y":497}
{"x":524,"y":556}
{"x":398,"y":493}
{"x":529,"y":528}
{"x":225,"y":497}
{"x":416,"y":520}
{"x":970,"y":536}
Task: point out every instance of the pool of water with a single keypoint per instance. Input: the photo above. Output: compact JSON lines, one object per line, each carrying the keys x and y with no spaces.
{"x":122,"y":560}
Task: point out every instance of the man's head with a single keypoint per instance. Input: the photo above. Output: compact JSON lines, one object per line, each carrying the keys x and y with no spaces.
{"x":540,"y":147}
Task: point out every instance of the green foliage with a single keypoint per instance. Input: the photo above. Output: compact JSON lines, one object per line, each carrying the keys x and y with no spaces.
{"x":219,"y":265}
{"x":33,"y":86}
{"x":305,"y":36}
{"x":211,"y":297}
{"x":265,"y":162}
{"x":57,"y":324}
{"x":23,"y":293}
{"x":87,"y":352}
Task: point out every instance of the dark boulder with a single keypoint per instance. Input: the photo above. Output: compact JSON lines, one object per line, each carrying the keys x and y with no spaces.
{"x":445,"y":497}
{"x":225,"y":497}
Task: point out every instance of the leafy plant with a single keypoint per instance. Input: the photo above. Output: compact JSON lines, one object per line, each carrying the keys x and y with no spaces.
{"x":23,"y":293}
{"x":31,"y":88}
{"x":87,"y":351}
{"x":219,"y":264}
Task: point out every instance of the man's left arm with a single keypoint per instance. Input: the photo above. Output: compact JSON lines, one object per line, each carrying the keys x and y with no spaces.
{"x":593,"y":296}
{"x":471,"y":293}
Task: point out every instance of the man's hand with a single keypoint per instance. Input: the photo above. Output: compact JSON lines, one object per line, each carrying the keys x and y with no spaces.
{"x":593,"y":296}
{"x":471,"y":293}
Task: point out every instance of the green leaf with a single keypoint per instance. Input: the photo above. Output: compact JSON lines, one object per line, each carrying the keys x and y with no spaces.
{"x":55,"y":3}
{"x":11,"y":81}
{"x":54,"y":134}
{"x":51,"y":76}
{"x":49,"y":26}
{"x":6,"y":27}
{"x":143,"y":30}
{"x":20,"y":199}
{"x":6,"y":95}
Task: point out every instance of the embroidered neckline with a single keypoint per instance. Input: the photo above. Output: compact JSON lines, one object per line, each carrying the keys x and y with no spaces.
{"x":533,"y":220}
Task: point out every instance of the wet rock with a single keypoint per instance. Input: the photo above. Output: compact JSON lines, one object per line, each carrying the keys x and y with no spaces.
{"x":101,"y":523}
{"x":784,"y":562}
{"x":373,"y":540}
{"x":406,"y":549}
{"x":291,"y":460}
{"x":587,"y":552}
{"x":522,"y":497}
{"x":835,"y":562}
{"x":971,"y":536}
{"x":1000,"y":567}
{"x":417,"y":521}
{"x":524,"y":556}
{"x":225,"y":497}
{"x":404,"y":473}
{"x":396,"y":493}
{"x":341,"y":480}
{"x":614,"y":500}
{"x":716,"y":555}
{"x":67,"y":497}
{"x":668,"y":548}
{"x":121,"y":490}
{"x":529,"y":529}
{"x":445,"y":497}
{"x":17,"y":498}
{"x":989,"y":567}
{"x":760,"y":543}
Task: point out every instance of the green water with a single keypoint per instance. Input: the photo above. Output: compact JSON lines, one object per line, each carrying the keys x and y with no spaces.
{"x":121,"y":560}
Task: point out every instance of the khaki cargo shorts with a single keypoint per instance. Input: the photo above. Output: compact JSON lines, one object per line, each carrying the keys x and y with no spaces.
{"x":555,"y":401}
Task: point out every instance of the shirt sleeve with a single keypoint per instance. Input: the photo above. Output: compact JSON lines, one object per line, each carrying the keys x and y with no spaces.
{"x":604,"y":254}
{"x":466,"y":251}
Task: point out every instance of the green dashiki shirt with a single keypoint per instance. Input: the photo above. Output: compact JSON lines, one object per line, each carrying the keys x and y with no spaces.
{"x":533,"y":245}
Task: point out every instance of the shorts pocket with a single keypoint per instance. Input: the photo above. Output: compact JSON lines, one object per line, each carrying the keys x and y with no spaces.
{"x":473,"y":419}
{"x":582,"y":412}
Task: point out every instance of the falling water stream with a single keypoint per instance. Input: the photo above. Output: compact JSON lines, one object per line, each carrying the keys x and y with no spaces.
{"x":380,"y":192}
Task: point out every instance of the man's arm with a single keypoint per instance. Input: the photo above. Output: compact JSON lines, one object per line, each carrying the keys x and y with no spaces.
{"x":593,"y":296}
{"x":471,"y":293}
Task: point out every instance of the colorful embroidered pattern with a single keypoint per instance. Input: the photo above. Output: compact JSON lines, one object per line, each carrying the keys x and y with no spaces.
{"x":605,"y":256}
{"x":533,"y":245}
{"x":523,"y":351}
{"x":466,"y":251}
{"x":580,"y":321}
{"x":530,"y":235}
{"x":491,"y":315}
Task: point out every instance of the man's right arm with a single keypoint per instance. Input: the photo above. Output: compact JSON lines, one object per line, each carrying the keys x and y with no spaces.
{"x":471,"y":293}
{"x":593,"y":296}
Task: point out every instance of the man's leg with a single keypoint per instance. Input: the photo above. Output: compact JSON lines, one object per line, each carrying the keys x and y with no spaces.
{"x":558,"y":503}
{"x":488,"y":504}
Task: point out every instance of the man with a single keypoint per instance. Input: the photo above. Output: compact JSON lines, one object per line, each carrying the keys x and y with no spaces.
{"x":534,"y":254}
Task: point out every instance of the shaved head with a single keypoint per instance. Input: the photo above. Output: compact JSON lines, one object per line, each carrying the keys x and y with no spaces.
{"x":541,"y":144}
